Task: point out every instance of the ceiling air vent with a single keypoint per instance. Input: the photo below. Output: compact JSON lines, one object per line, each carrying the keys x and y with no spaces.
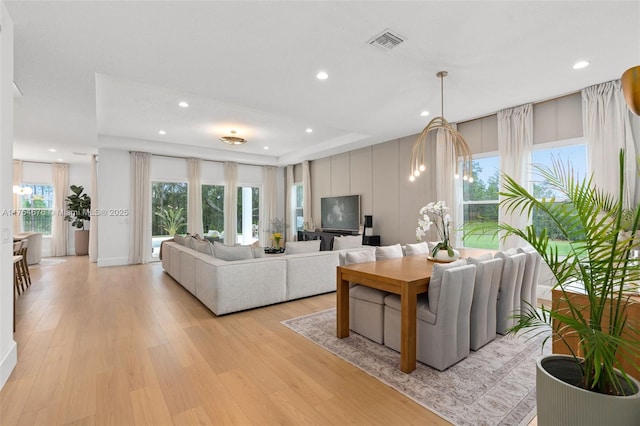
{"x":386,"y":40}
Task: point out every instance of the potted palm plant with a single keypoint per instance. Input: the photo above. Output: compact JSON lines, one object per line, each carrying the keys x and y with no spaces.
{"x":79,"y":211}
{"x":590,"y":386}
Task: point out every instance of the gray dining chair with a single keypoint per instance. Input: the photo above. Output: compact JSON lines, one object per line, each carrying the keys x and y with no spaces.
{"x":485,"y":300}
{"x":510,"y":286}
{"x":529,"y":290}
{"x":366,"y":304}
{"x":443,"y":316}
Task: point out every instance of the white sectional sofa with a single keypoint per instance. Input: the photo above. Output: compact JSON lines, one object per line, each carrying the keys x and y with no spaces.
{"x":231,"y":286}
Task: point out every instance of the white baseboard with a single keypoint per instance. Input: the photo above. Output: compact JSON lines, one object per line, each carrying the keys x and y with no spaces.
{"x":112,"y":261}
{"x":8,"y":363}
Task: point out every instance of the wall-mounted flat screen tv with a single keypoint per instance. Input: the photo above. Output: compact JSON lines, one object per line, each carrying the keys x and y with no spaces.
{"x":340,"y":213}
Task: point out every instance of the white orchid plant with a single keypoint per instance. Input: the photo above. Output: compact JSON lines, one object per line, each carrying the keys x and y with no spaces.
{"x":436,"y":214}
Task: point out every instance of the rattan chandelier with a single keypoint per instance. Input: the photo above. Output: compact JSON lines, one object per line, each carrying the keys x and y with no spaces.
{"x":461,"y":149}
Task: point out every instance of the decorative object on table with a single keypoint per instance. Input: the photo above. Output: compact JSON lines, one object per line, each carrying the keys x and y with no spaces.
{"x":460,"y":146}
{"x":277,"y":228}
{"x":435,"y":213}
{"x":79,"y":210}
{"x":600,"y":334}
{"x":273,"y":250}
{"x":276,"y":239}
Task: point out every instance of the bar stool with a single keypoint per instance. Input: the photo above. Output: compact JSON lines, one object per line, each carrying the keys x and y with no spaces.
{"x":20,"y":277}
{"x":16,"y":261}
{"x":25,"y":265}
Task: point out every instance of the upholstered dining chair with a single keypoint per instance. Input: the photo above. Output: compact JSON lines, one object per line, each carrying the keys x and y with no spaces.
{"x":510,"y":286}
{"x":485,"y":300}
{"x":366,"y":304}
{"x":529,"y":290}
{"x":443,"y":316}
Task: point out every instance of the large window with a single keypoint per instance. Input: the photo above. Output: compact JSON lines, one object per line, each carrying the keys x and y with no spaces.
{"x":480,"y":201}
{"x":168,"y":211}
{"x":213,"y":210}
{"x":37,"y":209}
{"x":298,"y":206}
{"x":248,"y":214}
{"x":576,"y":156}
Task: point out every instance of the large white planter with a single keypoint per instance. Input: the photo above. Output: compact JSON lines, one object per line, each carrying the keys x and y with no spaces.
{"x":560,"y":403}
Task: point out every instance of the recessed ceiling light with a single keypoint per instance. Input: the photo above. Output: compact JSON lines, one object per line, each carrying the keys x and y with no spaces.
{"x":309,"y":130}
{"x":322,"y":75}
{"x":580,"y":64}
{"x":183,"y":104}
{"x":424,"y":113}
{"x":52,"y":150}
{"x":60,"y":160}
{"x":162,"y":132}
{"x":266,"y":147}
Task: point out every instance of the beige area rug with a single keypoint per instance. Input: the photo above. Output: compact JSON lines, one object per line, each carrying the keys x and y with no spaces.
{"x":493,"y":386}
{"x":48,"y":261}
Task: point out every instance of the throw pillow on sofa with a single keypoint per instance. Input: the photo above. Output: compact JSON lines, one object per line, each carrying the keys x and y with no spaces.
{"x":389,"y":252}
{"x":416,"y":249}
{"x":190,"y":242}
{"x":179,"y":239}
{"x":360,"y":257}
{"x":302,"y":247}
{"x":347,"y":242}
{"x":204,"y":246}
{"x":225,"y":252}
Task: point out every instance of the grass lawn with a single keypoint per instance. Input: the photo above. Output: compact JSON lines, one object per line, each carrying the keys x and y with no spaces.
{"x":489,"y":241}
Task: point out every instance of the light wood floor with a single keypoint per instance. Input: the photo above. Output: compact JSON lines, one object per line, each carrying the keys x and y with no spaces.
{"x":127,"y":345}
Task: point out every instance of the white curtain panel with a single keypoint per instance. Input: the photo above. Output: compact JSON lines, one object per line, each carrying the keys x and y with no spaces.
{"x":93,"y":224}
{"x":445,"y":181}
{"x":59,"y":227}
{"x":606,"y":126}
{"x":230,"y":202}
{"x":306,"y":193}
{"x":17,"y":181}
{"x":291,"y":232}
{"x":140,"y":240}
{"x":269,"y":209}
{"x":194,"y":216}
{"x":515,"y":138}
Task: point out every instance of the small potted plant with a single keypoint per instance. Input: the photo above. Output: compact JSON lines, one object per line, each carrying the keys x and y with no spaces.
{"x":79,"y":211}
{"x":591,"y":387}
{"x":436,"y":214}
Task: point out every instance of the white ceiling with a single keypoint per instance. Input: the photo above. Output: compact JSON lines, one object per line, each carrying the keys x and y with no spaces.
{"x":119,"y":69}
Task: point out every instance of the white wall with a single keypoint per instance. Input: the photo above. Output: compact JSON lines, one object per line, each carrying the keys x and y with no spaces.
{"x":114,"y":192}
{"x":8,"y":347}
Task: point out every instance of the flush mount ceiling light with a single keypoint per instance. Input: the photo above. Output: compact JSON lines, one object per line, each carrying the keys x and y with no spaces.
{"x":162,"y":132}
{"x":233,"y":139}
{"x":424,"y":113}
{"x":309,"y":130}
{"x":460,"y":146}
{"x":322,"y":75}
{"x":183,"y":104}
{"x":580,"y":64}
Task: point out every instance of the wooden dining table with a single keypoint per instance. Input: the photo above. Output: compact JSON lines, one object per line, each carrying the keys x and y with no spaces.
{"x":407,"y":276}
